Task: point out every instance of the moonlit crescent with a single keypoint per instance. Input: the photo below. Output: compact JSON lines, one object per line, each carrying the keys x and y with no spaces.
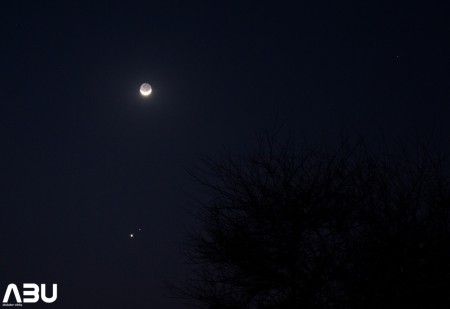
{"x":146,"y":89}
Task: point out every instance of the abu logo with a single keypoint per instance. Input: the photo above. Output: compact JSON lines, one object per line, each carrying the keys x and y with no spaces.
{"x":30,"y":293}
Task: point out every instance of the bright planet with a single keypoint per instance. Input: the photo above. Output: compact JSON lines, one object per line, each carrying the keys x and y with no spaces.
{"x":146,"y":89}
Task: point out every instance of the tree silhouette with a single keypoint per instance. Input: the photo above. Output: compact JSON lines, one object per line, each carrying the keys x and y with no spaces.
{"x":315,"y":229}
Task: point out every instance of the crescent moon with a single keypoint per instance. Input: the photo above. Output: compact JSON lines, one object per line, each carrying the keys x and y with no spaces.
{"x":146,"y":89}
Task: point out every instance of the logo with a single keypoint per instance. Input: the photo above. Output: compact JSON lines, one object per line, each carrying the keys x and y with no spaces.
{"x":30,"y":294}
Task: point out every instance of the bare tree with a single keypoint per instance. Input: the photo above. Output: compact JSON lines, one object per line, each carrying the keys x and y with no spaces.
{"x":314,"y":229}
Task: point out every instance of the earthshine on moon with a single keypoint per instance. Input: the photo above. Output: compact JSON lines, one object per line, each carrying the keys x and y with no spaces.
{"x":146,"y":89}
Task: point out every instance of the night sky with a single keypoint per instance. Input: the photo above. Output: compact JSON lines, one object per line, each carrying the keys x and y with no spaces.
{"x":86,"y":160}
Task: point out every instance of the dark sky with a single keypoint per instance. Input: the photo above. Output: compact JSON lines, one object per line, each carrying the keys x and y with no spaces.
{"x":85,"y":160}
